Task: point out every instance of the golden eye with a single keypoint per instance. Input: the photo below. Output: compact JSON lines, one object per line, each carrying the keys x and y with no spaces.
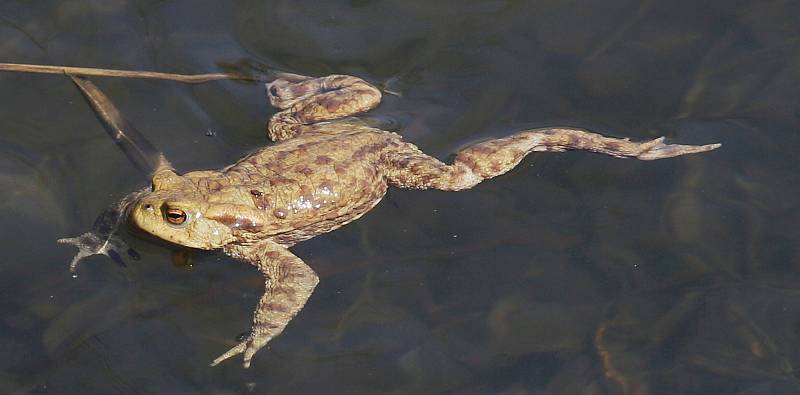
{"x":175,"y":216}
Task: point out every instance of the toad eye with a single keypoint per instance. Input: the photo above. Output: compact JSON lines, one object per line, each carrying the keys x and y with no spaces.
{"x":175,"y":216}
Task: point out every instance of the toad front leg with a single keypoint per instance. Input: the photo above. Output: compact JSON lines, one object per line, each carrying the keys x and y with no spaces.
{"x":289,"y":284}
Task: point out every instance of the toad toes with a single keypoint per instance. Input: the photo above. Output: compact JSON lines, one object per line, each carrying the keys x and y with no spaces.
{"x":324,"y":171}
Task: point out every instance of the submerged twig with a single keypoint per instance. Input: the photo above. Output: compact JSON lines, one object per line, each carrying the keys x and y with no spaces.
{"x":87,"y":71}
{"x":139,"y":150}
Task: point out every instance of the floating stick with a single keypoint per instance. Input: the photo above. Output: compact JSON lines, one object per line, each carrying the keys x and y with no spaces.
{"x":87,"y":71}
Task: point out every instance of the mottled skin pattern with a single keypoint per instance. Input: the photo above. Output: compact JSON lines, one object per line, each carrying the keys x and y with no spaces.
{"x":325,"y":171}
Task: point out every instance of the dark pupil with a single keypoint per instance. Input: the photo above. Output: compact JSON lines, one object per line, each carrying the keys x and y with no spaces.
{"x":176,"y":216}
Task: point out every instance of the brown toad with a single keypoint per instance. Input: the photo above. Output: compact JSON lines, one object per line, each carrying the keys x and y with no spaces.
{"x":324,"y":171}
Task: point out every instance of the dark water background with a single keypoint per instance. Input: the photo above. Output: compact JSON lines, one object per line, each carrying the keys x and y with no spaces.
{"x":575,"y":273}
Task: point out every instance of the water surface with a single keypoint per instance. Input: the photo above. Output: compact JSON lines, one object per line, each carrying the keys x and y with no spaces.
{"x":575,"y":273}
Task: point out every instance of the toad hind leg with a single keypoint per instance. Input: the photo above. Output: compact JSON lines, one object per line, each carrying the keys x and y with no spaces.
{"x":305,"y":102}
{"x":411,"y":168}
{"x":289,"y":284}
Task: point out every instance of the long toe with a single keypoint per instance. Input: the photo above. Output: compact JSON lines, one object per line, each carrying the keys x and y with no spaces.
{"x":656,"y":149}
{"x":236,"y":350}
{"x":256,"y":343}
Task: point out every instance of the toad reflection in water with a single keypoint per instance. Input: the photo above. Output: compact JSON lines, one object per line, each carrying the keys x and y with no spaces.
{"x":324,"y":171}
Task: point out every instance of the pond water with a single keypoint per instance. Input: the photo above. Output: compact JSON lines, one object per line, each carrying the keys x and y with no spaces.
{"x":575,"y":273}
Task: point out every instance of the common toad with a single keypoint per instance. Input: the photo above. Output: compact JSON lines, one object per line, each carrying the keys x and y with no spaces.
{"x":324,"y":171}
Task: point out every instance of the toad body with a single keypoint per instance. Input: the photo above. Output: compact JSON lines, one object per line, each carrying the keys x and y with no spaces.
{"x":324,"y":171}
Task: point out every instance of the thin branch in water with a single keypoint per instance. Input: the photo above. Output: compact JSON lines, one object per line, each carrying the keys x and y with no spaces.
{"x":263,"y":76}
{"x":86,"y":71}
{"x":24,"y":32}
{"x":139,"y":150}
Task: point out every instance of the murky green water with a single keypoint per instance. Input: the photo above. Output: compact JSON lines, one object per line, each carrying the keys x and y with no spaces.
{"x":573,"y":274}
